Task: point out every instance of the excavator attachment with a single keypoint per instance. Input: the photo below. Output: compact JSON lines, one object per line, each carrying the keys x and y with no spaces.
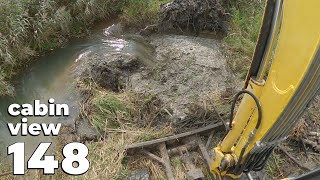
{"x":282,"y":81}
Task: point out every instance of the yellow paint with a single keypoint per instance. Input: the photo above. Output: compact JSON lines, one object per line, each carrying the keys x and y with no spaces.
{"x":297,"y":44}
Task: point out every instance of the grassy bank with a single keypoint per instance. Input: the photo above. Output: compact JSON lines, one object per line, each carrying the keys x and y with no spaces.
{"x":127,"y":117}
{"x":239,"y":44}
{"x":122,"y":118}
{"x":139,"y":13}
{"x":29,"y":28}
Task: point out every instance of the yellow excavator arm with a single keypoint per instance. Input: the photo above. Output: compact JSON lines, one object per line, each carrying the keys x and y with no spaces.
{"x":284,"y":77}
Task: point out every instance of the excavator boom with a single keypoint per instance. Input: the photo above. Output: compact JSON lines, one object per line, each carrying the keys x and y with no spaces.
{"x":283,"y":79}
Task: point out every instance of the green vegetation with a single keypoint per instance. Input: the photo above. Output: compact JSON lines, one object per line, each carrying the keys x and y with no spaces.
{"x":29,"y":28}
{"x":246,"y":17}
{"x":138,"y":13}
{"x":108,"y":109}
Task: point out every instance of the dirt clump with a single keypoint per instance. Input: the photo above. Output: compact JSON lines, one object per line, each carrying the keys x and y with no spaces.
{"x":111,"y":74}
{"x":192,"y":15}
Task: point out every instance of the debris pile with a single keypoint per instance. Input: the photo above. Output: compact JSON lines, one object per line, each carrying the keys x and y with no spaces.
{"x":192,"y":15}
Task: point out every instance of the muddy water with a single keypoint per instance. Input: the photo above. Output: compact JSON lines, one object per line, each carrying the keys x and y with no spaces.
{"x":52,"y":76}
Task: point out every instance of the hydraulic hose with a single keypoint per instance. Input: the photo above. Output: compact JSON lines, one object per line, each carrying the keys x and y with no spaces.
{"x":256,"y":100}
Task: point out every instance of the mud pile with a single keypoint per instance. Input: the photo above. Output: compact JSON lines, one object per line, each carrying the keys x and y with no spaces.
{"x":179,"y":70}
{"x":187,"y":70}
{"x":192,"y":15}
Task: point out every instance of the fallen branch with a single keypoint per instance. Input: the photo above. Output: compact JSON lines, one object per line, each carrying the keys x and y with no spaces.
{"x":294,"y":159}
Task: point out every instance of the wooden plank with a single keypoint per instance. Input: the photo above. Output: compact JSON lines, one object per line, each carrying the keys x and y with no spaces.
{"x":174,"y":137}
{"x":166,"y":159}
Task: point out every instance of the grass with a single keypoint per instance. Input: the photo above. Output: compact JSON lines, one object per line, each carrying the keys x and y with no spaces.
{"x":313,"y":111}
{"x":4,"y":169}
{"x":274,"y":166}
{"x":139,"y":13}
{"x":108,"y":109}
{"x":125,"y":118}
{"x":122,"y":118}
{"x":246,"y":18}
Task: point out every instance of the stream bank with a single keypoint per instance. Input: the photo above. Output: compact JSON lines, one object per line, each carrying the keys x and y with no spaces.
{"x":166,"y":84}
{"x":127,"y":54}
{"x":134,"y":88}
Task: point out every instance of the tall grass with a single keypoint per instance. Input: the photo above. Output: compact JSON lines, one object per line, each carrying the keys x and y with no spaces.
{"x":139,"y":13}
{"x":31,"y":27}
{"x":246,"y":18}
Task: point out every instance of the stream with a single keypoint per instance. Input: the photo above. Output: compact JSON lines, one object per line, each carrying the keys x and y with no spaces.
{"x":52,"y":76}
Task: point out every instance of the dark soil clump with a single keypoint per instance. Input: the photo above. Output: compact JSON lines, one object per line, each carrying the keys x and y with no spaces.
{"x":193,"y":15}
{"x":112,"y":74}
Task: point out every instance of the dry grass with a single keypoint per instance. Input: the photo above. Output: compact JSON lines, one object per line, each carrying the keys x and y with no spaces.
{"x":108,"y":156}
{"x":141,"y":162}
{"x":275,"y":165}
{"x":4,"y":170}
{"x":139,"y":13}
{"x":122,"y":118}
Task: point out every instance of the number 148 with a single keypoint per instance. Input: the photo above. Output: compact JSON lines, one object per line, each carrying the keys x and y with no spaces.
{"x":75,"y":160}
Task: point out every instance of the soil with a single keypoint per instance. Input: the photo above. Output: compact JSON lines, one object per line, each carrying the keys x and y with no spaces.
{"x":186,"y":70}
{"x":193,"y":15}
{"x":179,"y":70}
{"x":182,"y":71}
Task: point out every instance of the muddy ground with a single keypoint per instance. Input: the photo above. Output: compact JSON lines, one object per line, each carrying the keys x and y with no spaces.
{"x":183,"y":71}
{"x":178,"y":69}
